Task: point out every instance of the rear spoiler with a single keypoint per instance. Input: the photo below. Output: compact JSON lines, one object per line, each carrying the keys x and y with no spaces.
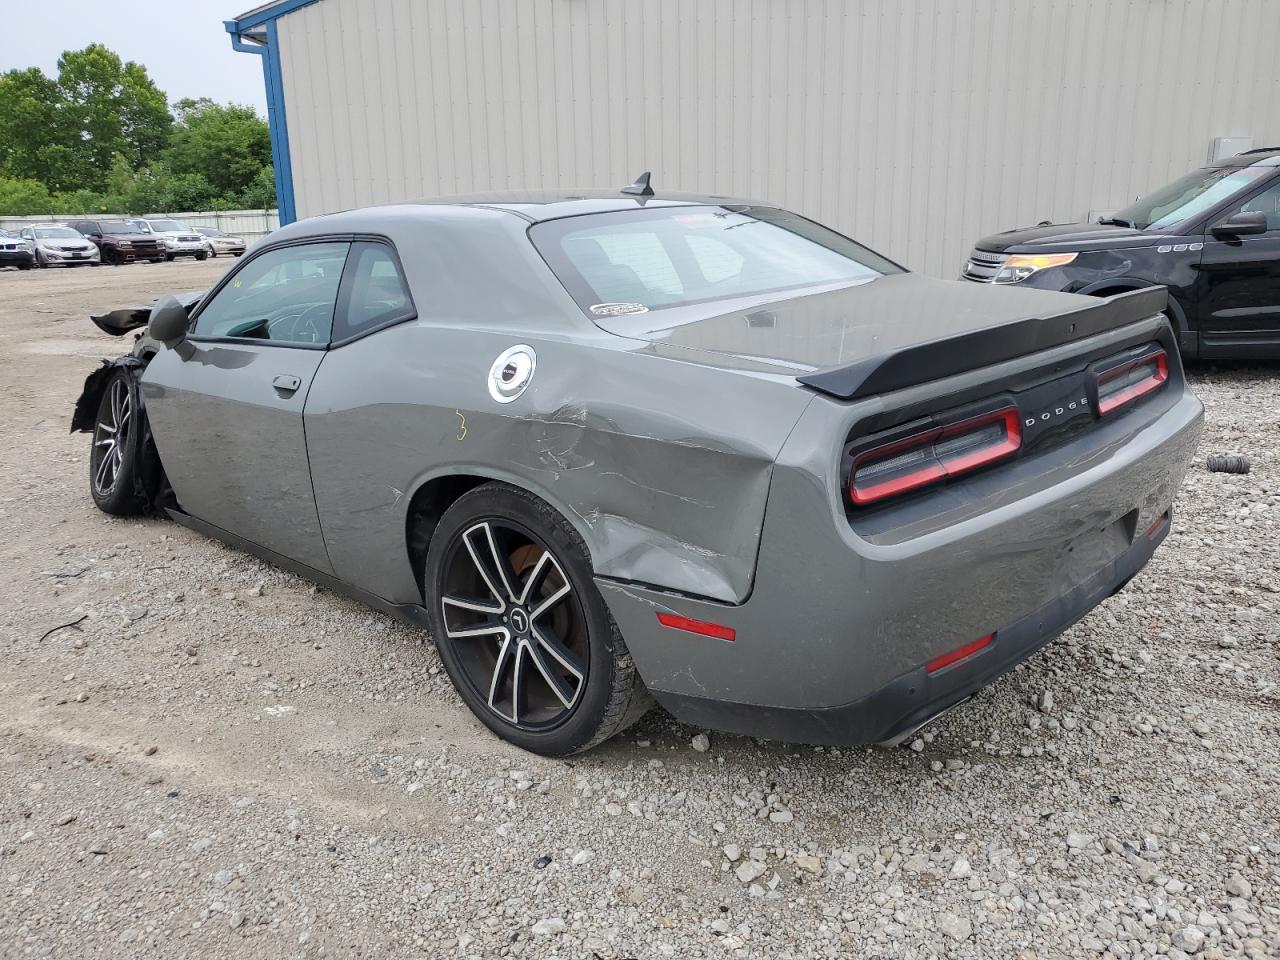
{"x":121,"y":320}
{"x":936,"y":359}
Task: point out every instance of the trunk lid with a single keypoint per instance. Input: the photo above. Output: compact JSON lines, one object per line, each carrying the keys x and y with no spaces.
{"x":887,"y":333}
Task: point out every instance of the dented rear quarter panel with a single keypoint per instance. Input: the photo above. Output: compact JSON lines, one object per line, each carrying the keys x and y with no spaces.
{"x":660,"y":458}
{"x":662,"y":467}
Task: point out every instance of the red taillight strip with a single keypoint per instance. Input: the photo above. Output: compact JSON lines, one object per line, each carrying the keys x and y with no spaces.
{"x":703,"y":628}
{"x":941,"y":468}
{"x":1132,"y":392}
{"x":958,"y":654}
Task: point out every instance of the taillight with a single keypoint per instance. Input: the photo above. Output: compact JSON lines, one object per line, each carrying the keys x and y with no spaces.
{"x":1124,"y":383}
{"x":933,"y":455}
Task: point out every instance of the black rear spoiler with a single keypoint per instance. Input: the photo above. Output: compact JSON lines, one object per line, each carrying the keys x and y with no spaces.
{"x":980,"y":348}
{"x":121,"y":320}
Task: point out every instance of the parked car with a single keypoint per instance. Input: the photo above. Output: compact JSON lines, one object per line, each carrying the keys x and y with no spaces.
{"x":56,"y":243}
{"x":15,"y":251}
{"x":1212,"y":237}
{"x":120,"y":241}
{"x":221,"y":243}
{"x":614,"y":446}
{"x":178,"y":239}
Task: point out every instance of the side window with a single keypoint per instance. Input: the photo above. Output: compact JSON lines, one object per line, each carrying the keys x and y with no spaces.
{"x":373,"y":294}
{"x":1268,"y":202}
{"x":285,"y":295}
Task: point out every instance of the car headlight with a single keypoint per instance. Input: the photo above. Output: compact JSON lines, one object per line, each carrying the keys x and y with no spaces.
{"x":1022,"y":265}
{"x":124,"y":243}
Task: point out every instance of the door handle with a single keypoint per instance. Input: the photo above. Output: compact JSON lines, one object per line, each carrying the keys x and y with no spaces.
{"x":286,"y":384}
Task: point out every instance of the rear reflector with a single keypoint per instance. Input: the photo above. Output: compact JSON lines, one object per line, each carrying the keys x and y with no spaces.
{"x":1158,"y":525}
{"x":1125,"y":383}
{"x":701,"y":627}
{"x":958,"y":654}
{"x":934,"y":455}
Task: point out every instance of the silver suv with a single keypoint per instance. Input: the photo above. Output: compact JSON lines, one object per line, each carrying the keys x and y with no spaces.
{"x":177,"y":239}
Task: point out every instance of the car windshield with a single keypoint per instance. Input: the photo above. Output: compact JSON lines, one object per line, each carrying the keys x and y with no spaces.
{"x":120,"y":226}
{"x":650,"y":259}
{"x":169,"y":226}
{"x":210,"y":232}
{"x":59,"y":233}
{"x":1188,"y":196}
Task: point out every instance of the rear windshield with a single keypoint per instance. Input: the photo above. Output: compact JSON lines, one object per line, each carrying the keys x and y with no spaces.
{"x":617,"y":263}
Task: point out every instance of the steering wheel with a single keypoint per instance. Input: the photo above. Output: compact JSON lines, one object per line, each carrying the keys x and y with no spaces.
{"x":302,"y":327}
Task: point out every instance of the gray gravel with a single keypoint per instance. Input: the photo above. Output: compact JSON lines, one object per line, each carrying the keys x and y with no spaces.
{"x":221,"y":759}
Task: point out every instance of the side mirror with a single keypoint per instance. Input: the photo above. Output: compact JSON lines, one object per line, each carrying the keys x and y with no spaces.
{"x":169,"y":321}
{"x":1241,"y":225}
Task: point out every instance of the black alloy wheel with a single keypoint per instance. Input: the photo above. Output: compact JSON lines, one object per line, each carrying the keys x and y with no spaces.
{"x":115,"y":457}
{"x":521,"y":627}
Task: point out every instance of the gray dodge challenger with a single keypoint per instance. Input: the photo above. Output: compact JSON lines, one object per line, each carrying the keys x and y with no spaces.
{"x":615,"y":447}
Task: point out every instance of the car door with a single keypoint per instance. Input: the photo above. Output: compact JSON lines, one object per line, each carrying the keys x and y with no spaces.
{"x":1239,"y":297}
{"x":226,"y":404}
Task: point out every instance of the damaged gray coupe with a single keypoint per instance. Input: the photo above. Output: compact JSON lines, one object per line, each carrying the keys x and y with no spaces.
{"x":618,"y":447}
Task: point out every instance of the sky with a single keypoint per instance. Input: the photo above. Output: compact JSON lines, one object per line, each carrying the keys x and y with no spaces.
{"x":181,"y":42}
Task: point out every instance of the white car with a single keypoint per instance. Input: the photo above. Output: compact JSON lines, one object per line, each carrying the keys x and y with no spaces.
{"x":178,"y":239}
{"x":221,"y":243}
{"x":56,"y":243}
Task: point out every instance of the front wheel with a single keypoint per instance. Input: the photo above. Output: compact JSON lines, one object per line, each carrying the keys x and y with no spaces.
{"x":116,"y":455}
{"x":521,"y":627}
{"x":201,"y":256}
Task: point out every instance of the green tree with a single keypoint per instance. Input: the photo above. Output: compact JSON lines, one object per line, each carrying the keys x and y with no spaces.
{"x":228,"y":145}
{"x":260,"y":194}
{"x":21,"y":198}
{"x":115,"y":108}
{"x":32,"y":133}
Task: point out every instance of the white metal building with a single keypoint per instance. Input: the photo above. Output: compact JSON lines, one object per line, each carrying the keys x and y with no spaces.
{"x":915,"y":126}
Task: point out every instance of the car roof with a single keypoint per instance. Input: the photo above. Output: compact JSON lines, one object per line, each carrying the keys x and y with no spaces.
{"x":539,"y":205}
{"x":1262,"y":157}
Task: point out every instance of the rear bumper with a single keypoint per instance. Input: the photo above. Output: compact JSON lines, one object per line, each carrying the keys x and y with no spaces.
{"x":912,"y":699}
{"x":831,"y":643}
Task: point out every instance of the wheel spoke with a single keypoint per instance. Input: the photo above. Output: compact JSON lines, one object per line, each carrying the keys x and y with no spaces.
{"x":563,"y":692}
{"x":474,"y":604}
{"x":568,"y":660}
{"x":480,"y":566}
{"x":550,"y":601}
{"x":495,"y":682}
{"x":519,"y":698}
{"x":489,"y":629}
{"x":104,"y":469}
{"x":536,"y":576}
{"x":108,"y":427}
{"x":499,"y":564}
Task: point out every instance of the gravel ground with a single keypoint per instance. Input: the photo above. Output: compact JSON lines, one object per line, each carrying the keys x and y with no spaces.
{"x":221,"y":759}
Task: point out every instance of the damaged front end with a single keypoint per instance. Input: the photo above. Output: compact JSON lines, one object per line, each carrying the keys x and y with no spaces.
{"x":149,"y":479}
{"x":121,"y":320}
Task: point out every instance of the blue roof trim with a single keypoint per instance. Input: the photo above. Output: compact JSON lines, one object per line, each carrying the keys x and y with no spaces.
{"x":277,"y":123}
{"x":268,"y":14}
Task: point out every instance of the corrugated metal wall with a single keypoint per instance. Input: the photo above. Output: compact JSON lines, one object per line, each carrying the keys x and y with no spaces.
{"x":913,"y":125}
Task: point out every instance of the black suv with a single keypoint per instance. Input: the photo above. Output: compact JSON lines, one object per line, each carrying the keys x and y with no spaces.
{"x":1212,"y":237}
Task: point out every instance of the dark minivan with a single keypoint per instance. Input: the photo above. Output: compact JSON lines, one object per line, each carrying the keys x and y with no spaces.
{"x":1212,"y":237}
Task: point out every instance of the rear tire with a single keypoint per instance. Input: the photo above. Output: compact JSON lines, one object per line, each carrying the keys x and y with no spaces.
{"x":521,"y":627}
{"x":115,"y":459}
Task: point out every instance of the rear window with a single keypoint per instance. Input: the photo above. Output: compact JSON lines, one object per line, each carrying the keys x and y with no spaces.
{"x":667,"y":257}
